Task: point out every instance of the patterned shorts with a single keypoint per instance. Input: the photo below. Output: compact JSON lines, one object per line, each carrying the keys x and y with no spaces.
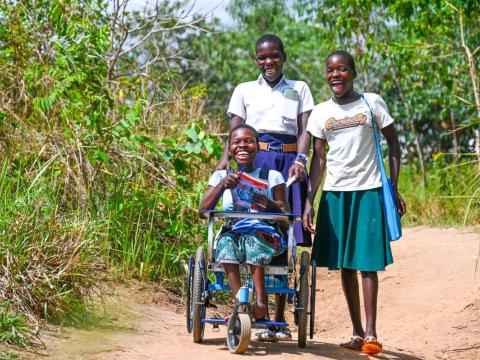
{"x":252,"y":249}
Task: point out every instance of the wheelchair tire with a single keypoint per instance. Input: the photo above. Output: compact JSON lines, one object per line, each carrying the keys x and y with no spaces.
{"x":238,"y":333}
{"x":312,"y":298}
{"x":198,"y":297}
{"x":189,"y":294}
{"x":302,"y":302}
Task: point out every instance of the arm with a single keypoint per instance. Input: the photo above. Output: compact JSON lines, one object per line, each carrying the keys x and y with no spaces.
{"x":225,"y":160}
{"x":214,"y":193}
{"x":394,"y":163}
{"x":303,"y":146}
{"x":280,"y":198}
{"x":317,"y":169}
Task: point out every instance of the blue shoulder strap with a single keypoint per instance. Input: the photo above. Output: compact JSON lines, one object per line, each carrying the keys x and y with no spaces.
{"x":264,"y":174}
{"x":377,"y":144}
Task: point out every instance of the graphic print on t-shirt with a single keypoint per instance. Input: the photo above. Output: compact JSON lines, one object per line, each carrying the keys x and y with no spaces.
{"x":347,"y":122}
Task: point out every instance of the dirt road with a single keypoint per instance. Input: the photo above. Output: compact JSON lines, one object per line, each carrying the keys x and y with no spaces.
{"x":429,"y":308}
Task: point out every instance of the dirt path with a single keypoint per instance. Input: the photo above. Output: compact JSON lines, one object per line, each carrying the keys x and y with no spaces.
{"x":429,"y":308}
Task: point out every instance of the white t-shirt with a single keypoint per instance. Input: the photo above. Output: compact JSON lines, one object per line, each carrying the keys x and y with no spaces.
{"x":351,"y":158}
{"x":271,"y":110}
{"x":274,"y":178}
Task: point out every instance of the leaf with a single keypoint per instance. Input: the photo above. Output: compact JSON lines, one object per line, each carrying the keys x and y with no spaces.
{"x":192,"y":134}
{"x":101,"y":155}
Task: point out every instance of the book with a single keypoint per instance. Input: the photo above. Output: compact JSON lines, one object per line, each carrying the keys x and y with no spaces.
{"x":248,"y":186}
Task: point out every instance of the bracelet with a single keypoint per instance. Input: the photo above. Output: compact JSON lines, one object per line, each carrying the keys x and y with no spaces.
{"x":299,"y":163}
{"x":302,"y":157}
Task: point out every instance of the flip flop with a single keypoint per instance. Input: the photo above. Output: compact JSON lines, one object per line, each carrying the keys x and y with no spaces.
{"x":371,"y":346}
{"x":355,"y":343}
{"x":265,"y":335}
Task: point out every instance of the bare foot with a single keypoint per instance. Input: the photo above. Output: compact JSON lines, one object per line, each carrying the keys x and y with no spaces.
{"x":259,"y":312}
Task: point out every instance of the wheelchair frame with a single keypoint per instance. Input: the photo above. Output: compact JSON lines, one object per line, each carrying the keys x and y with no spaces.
{"x":277,"y":278}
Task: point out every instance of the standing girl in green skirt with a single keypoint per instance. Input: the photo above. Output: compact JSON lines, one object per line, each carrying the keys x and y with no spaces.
{"x":351,"y":232}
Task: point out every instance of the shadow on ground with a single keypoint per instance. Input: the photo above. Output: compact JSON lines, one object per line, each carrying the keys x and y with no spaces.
{"x":321,"y":349}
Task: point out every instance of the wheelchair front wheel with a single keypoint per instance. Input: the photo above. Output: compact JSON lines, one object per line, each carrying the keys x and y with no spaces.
{"x":238,"y":333}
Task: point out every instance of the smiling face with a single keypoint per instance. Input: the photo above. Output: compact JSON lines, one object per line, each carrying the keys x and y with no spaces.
{"x":270,"y":60}
{"x":243,"y":147}
{"x":340,"y":76}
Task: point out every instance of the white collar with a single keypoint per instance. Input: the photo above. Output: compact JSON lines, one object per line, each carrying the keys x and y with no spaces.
{"x":262,"y":81}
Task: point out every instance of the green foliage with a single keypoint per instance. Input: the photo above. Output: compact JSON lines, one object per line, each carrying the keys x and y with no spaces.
{"x":46,"y":250}
{"x":13,"y":327}
{"x":87,"y":185}
{"x":448,"y":199}
{"x":7,"y":356}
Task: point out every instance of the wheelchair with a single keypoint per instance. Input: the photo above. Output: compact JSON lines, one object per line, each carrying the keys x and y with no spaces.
{"x":292,"y":279}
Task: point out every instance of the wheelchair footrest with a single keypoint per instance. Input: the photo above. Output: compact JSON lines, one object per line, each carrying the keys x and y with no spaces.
{"x":217,"y":321}
{"x":268,"y":323}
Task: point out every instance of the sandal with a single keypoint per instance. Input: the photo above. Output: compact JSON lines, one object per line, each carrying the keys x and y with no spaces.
{"x":284,"y":334}
{"x":265,"y":335}
{"x":371,"y":346}
{"x":356,"y":343}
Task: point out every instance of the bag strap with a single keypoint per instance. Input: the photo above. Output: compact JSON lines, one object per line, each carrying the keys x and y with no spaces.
{"x":264,"y":174}
{"x":375,"y":135}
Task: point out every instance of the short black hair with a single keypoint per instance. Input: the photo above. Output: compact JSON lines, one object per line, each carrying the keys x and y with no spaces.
{"x":244,"y":126}
{"x":345,"y":54}
{"x":270,"y":38}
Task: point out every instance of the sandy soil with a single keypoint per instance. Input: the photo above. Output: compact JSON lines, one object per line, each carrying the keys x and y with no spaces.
{"x":429,"y":308}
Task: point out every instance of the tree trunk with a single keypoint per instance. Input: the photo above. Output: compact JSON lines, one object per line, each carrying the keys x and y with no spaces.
{"x":454,"y":134}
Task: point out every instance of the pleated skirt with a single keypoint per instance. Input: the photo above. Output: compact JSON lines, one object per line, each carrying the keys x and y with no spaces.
{"x":351,"y":231}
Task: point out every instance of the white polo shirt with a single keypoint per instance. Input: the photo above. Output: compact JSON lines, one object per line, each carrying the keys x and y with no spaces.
{"x":271,"y":110}
{"x":352,"y":157}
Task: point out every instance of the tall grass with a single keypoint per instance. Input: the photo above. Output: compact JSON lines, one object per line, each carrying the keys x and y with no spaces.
{"x":57,"y":246}
{"x":451,"y":197}
{"x":47,"y":250}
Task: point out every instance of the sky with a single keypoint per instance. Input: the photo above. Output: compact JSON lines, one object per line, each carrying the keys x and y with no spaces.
{"x":216,"y":7}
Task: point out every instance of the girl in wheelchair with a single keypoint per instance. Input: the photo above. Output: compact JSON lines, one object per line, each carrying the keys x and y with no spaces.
{"x":254,"y":243}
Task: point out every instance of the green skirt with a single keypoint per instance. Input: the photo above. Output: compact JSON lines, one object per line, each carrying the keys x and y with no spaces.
{"x":351,"y":231}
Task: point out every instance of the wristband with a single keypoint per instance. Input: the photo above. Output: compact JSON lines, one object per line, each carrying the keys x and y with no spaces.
{"x":302,"y":157}
{"x":299,"y":163}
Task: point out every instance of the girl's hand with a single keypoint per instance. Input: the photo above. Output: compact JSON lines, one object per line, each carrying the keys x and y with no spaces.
{"x":260,"y":201}
{"x":298,"y":172}
{"x":230,"y":181}
{"x":307,"y":219}
{"x":401,"y":206}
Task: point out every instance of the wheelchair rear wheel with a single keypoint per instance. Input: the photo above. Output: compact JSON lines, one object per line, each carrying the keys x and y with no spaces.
{"x":313,"y":289}
{"x":302,"y":310}
{"x":189,"y":294}
{"x":198,"y":295}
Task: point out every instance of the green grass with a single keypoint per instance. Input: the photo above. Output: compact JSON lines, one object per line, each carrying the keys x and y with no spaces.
{"x":7,"y":356}
{"x":449,"y":198}
{"x":13,"y":327}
